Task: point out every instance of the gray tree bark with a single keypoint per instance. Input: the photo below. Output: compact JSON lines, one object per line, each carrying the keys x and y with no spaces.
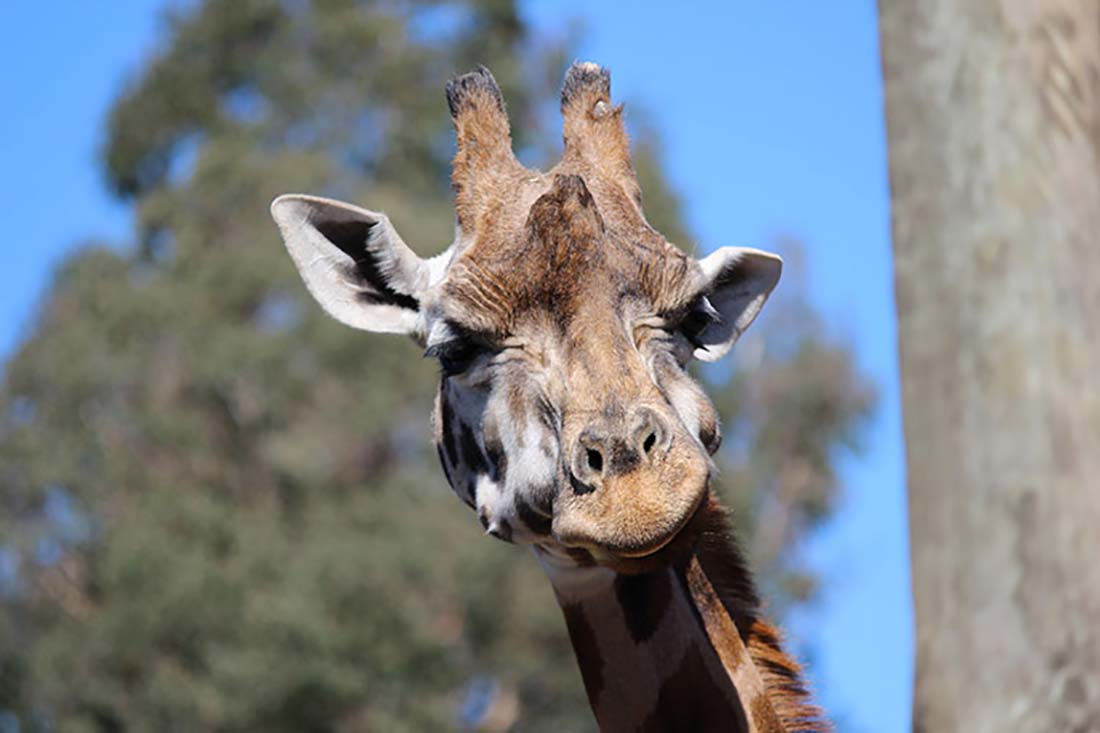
{"x":993,"y":116}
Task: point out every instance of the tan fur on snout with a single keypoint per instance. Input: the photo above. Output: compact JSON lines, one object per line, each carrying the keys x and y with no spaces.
{"x":639,"y":512}
{"x":622,"y":510}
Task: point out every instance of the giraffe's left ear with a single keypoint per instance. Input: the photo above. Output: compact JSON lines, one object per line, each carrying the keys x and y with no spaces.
{"x":737,"y":282}
{"x":353,"y":262}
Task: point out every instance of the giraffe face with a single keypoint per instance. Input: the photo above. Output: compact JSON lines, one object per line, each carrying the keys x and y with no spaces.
{"x":565,"y":417}
{"x":562,"y":323}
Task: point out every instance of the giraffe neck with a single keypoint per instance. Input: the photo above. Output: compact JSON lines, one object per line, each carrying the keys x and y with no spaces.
{"x":680,"y":648}
{"x":723,"y":636}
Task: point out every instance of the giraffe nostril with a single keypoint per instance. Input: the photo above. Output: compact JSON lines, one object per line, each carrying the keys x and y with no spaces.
{"x":649,"y":433}
{"x":595,"y":460}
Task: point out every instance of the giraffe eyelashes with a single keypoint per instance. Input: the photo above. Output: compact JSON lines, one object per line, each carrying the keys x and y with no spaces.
{"x":455,"y":356}
{"x":454,"y":347}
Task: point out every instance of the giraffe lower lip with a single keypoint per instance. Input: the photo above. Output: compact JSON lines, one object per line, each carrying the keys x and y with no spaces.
{"x":636,"y":554}
{"x":601,"y":550}
{"x":650,"y":550}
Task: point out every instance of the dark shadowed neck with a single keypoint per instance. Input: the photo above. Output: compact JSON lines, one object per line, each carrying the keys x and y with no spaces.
{"x":680,"y":648}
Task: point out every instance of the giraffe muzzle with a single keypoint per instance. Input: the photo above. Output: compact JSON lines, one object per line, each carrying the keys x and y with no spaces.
{"x":634,"y":484}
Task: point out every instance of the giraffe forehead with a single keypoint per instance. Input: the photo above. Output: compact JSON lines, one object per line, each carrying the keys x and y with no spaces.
{"x":570,"y":281}
{"x":555,"y":243}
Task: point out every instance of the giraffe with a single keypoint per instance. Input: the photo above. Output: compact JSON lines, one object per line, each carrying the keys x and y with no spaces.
{"x":563,"y":324}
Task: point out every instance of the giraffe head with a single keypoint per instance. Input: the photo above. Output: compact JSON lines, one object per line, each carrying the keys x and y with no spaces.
{"x":562,"y":322}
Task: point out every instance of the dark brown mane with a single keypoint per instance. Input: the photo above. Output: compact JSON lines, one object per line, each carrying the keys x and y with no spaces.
{"x":725,"y":567}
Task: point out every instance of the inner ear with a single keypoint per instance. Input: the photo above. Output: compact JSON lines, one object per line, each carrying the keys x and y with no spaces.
{"x":353,"y":262}
{"x":354,"y":238}
{"x":737,"y":281}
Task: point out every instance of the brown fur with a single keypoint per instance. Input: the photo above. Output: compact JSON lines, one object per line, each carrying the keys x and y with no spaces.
{"x":580,"y":239}
{"x":534,"y":239}
{"x":618,"y":651}
{"x":725,"y":567}
{"x":594,"y":135}
{"x":484,"y":164}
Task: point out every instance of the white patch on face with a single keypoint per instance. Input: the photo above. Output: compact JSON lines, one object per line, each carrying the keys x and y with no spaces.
{"x":496,"y":507}
{"x":512,"y":499}
{"x":534,"y":469}
{"x":530,"y":474}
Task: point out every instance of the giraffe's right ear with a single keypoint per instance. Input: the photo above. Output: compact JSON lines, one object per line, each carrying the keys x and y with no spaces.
{"x":353,"y":262}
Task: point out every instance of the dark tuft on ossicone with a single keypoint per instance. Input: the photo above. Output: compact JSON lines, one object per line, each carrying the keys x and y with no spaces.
{"x":585,"y":76}
{"x":463,"y":90}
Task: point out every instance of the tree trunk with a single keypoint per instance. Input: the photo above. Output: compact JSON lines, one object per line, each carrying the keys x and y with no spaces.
{"x":993,"y":113}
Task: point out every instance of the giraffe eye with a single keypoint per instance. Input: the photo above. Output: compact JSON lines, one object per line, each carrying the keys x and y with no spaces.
{"x":455,"y":356}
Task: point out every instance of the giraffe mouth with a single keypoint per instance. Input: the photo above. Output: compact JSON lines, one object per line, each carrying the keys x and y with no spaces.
{"x":634,"y":518}
{"x":636,"y":513}
{"x":649,"y":551}
{"x":670,"y":538}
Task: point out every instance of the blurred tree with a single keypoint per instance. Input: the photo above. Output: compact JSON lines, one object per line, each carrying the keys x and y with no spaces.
{"x":994,"y":128}
{"x":218,"y":508}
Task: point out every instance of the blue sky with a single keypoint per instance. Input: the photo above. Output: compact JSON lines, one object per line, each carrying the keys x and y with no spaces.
{"x":771,"y":115}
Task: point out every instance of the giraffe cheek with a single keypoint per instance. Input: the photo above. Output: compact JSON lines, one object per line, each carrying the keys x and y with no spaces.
{"x":695,"y":410}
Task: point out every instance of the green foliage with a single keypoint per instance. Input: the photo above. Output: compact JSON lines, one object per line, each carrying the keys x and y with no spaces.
{"x":219,"y":509}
